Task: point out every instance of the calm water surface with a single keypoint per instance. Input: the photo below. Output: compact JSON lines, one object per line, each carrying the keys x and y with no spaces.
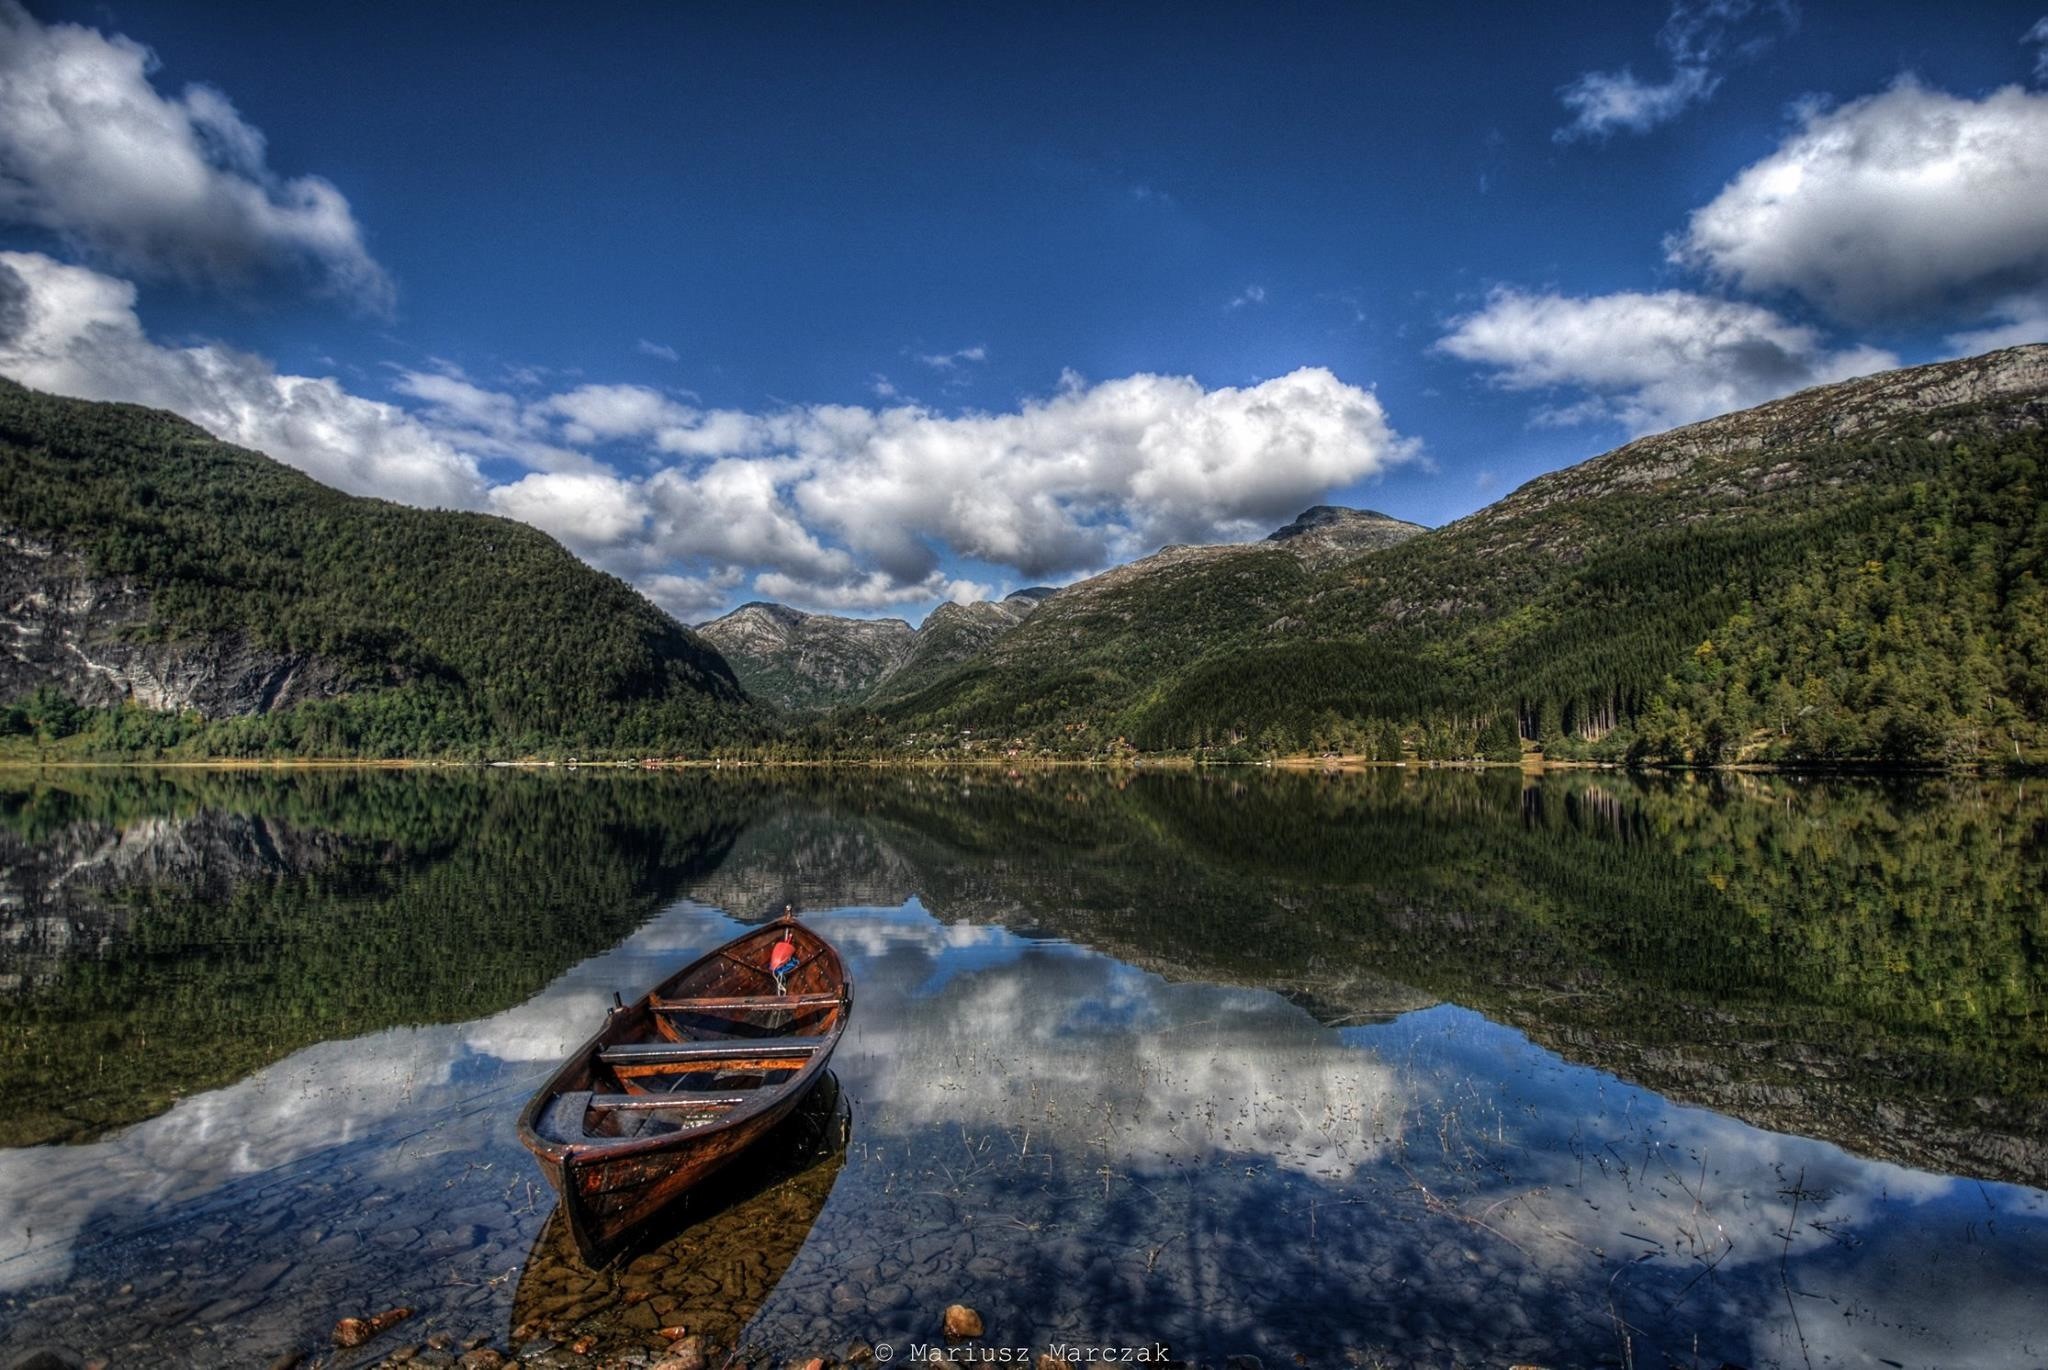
{"x":1398,"y":1068}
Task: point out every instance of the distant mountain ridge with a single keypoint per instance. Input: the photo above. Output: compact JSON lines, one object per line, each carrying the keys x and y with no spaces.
{"x":798,"y":660}
{"x":803,"y":661}
{"x":810,"y":662}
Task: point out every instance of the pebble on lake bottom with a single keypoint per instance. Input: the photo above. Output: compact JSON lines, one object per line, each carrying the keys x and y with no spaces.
{"x":352,"y":1332}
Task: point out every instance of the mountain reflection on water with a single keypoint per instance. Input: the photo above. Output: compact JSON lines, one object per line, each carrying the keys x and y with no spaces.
{"x":1411,"y":1065}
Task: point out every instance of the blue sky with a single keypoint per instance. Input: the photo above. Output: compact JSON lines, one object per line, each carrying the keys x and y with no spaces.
{"x":860,"y":309}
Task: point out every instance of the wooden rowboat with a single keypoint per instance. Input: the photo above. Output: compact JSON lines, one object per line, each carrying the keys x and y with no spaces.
{"x":683,"y":1080}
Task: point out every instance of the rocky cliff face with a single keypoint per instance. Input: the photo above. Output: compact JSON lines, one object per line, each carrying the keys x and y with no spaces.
{"x":62,"y":625}
{"x":142,"y":559}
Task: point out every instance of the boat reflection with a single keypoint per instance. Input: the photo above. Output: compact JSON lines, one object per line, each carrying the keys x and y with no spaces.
{"x":706,"y":1265}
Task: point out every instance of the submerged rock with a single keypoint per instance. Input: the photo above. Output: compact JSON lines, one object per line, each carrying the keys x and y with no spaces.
{"x":351,"y":1332}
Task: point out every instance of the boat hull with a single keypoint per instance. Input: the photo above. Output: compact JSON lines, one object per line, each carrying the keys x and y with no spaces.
{"x":607,"y":1199}
{"x":765,"y":1203}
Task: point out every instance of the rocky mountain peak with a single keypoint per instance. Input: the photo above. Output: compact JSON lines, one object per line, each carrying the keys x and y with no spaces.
{"x":759,"y":622}
{"x":1333,"y":532}
{"x":763,"y":609}
{"x":1323,"y":516}
{"x":951,"y":612}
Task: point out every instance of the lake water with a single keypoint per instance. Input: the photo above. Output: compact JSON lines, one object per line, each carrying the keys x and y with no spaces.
{"x":1400,"y":1068}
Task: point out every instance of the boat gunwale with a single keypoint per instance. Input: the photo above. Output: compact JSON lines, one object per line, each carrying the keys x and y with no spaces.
{"x":569,"y":1155}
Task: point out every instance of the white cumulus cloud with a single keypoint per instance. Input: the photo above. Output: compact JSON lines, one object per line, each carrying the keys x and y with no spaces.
{"x":614,"y":413}
{"x":736,"y":511}
{"x":1906,"y":204}
{"x":157,"y":185}
{"x":692,"y":599}
{"x":838,"y":507}
{"x":1065,"y":482}
{"x":1648,"y":361}
{"x":587,"y":510}
{"x":488,"y":422}
{"x":873,"y":590}
{"x":846,"y":507}
{"x":74,"y":331}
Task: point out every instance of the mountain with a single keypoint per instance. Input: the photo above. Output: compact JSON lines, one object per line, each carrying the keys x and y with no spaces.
{"x":811,"y":662}
{"x":1330,"y":533}
{"x":955,"y":633}
{"x":1319,"y":537}
{"x":807,"y":662}
{"x":160,"y":588}
{"x":1849,"y":573}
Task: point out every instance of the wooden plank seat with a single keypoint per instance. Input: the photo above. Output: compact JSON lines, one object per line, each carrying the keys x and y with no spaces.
{"x":665,"y":1103}
{"x":568,"y":1115}
{"x":692,"y":1053}
{"x":743,"y":1002}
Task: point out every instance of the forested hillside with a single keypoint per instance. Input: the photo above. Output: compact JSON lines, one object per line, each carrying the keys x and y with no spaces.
{"x":166,"y":590}
{"x":1853,"y":573}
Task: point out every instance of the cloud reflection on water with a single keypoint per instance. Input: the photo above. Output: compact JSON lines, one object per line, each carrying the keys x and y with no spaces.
{"x":1051,"y":1037}
{"x":1455,"y":1175}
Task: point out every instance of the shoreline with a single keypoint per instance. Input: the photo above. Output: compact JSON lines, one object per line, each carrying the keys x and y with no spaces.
{"x":1532,"y":764}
